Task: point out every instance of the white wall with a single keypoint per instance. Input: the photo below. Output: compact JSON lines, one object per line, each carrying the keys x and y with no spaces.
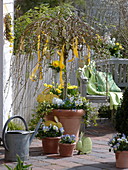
{"x":1,"y":66}
{"x":6,"y":6}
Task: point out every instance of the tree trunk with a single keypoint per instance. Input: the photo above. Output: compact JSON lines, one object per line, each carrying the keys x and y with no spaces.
{"x":65,"y":78}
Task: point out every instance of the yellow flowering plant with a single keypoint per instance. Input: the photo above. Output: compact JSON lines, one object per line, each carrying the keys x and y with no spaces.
{"x":56,"y":65}
{"x":57,"y":89}
{"x":115,"y":48}
{"x":111,"y":46}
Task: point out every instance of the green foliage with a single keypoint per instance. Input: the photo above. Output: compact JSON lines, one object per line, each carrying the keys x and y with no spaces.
{"x":121,"y":118}
{"x":104,"y":112}
{"x":21,"y":8}
{"x":20,"y":165}
{"x":26,"y":5}
{"x":14,"y":126}
{"x":41,"y":110}
{"x":21,"y":23}
{"x":59,"y":25}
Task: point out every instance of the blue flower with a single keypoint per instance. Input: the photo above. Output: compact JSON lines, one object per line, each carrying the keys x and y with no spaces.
{"x":73,"y":136}
{"x":123,"y":135}
{"x":67,"y":139}
{"x":62,"y":129}
{"x":45,"y":128}
{"x":119,"y":142}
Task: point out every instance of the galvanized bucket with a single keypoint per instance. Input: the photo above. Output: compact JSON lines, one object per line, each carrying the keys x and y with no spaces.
{"x":16,"y":142}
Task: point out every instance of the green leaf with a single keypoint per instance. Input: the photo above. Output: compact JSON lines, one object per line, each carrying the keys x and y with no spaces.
{"x":9,"y":168}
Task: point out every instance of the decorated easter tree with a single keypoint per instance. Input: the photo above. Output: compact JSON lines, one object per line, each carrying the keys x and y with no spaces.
{"x":56,"y":32}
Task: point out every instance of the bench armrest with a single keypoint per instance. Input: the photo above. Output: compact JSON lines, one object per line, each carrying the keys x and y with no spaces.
{"x":83,"y":85}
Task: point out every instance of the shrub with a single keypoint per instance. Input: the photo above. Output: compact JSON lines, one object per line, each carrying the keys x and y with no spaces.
{"x":121,"y":117}
{"x":104,"y":112}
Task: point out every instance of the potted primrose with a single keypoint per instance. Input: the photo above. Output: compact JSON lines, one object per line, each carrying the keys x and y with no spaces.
{"x":67,"y":144}
{"x":119,"y":144}
{"x":50,"y":133}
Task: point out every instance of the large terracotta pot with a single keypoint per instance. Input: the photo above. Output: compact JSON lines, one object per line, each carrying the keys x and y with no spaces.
{"x":50,"y":145}
{"x":66,"y":149}
{"x":70,"y":119}
{"x":121,"y":159}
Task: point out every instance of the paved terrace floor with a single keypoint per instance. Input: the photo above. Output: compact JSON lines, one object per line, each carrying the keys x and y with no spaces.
{"x":99,"y":158}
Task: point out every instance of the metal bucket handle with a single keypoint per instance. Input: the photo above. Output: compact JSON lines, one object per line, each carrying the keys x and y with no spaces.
{"x":5,"y":129}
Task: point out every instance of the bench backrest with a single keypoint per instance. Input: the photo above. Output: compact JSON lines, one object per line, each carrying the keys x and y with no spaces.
{"x":117,"y":67}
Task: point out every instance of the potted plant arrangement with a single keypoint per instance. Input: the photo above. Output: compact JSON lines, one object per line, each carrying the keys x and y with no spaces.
{"x":52,"y":40}
{"x":119,"y":144}
{"x":66,"y":145}
{"x":50,"y":133}
{"x":69,"y":111}
{"x":52,"y":44}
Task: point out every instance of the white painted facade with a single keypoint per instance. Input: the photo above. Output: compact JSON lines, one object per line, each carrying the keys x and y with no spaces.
{"x":1,"y":65}
{"x":6,"y":6}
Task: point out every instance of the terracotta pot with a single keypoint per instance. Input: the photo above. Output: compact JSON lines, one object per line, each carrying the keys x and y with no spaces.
{"x":50,"y":145}
{"x":70,"y":119}
{"x":66,"y":149}
{"x":121,"y":159}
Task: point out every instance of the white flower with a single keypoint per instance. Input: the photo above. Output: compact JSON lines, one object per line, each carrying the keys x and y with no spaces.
{"x":78,"y":102}
{"x":57,"y":101}
{"x":55,"y":128}
{"x":72,"y":98}
{"x":113,"y":40}
{"x":113,"y":141}
{"x":119,"y":140}
{"x":123,"y":138}
{"x":107,"y":38}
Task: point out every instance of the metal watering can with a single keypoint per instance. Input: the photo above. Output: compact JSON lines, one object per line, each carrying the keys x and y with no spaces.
{"x":17,"y":142}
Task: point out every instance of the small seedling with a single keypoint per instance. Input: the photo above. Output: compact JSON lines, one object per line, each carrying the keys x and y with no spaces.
{"x":20,"y":165}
